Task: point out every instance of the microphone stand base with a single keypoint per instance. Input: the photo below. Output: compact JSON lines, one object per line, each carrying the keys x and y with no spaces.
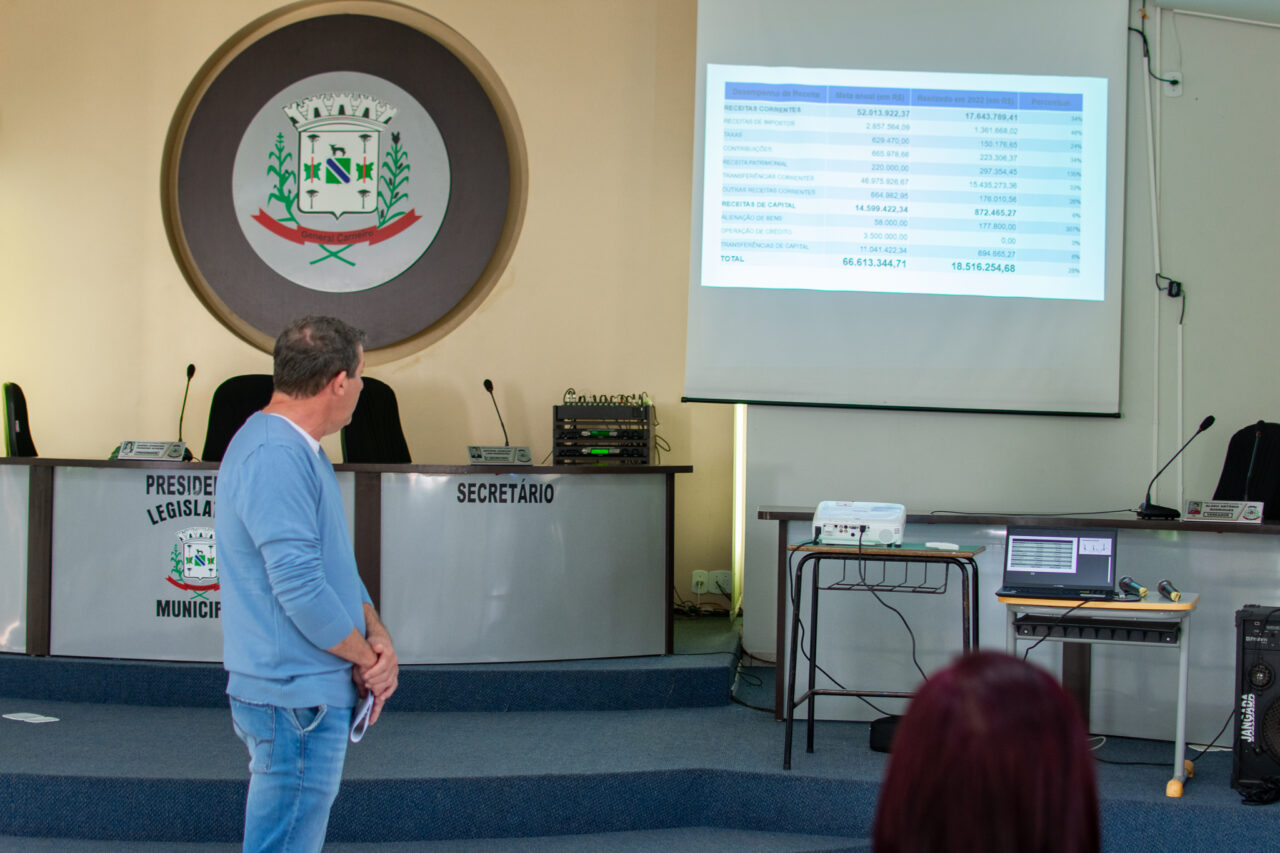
{"x":1155,"y":512}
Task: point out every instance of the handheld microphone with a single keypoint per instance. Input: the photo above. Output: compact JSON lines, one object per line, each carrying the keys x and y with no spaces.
{"x":1132,"y":587}
{"x":191,"y":371}
{"x":1253,"y":458}
{"x":488,"y":386}
{"x":1168,"y":590}
{"x":1149,"y":510}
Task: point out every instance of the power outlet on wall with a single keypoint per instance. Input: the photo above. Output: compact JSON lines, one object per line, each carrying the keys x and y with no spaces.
{"x":720,"y":583}
{"x":698,"y":582}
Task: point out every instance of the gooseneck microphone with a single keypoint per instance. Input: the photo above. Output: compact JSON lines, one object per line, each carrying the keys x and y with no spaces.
{"x":1253,"y":457}
{"x":1149,"y":510}
{"x":191,"y":371}
{"x":488,"y":386}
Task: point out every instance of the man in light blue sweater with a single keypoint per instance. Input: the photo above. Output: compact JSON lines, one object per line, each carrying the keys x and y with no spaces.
{"x":301,"y":639}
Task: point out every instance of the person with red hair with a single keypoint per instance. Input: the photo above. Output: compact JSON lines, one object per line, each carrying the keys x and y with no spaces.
{"x":991,"y":757}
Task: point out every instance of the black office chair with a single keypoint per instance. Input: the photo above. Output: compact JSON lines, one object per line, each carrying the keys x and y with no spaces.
{"x":374,"y":434}
{"x":17,"y":430}
{"x":233,"y":402}
{"x":1251,"y":470}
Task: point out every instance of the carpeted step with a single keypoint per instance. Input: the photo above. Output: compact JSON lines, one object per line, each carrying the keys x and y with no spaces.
{"x":672,"y":681}
{"x":133,"y":773}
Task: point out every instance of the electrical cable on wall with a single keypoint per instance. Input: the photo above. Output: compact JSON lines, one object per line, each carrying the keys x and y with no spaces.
{"x":1175,"y":290}
{"x":1171,"y":287}
{"x":1146,"y":50}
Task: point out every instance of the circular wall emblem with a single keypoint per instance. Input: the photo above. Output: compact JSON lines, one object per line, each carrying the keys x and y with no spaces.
{"x":358,"y":159}
{"x":324,"y":186}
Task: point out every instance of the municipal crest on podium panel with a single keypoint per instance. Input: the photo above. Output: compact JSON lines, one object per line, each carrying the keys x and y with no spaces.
{"x":195,"y":566}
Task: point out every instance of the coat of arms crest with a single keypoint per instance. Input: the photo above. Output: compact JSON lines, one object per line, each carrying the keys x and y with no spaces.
{"x":195,"y":566}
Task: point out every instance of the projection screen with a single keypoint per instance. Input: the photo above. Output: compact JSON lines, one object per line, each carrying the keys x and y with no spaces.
{"x":909,"y":205}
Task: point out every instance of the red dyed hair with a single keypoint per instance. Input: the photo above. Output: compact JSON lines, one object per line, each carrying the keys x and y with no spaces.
{"x":991,"y":757}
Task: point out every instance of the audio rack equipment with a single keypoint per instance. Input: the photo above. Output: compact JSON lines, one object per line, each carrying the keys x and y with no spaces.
{"x":602,"y":434}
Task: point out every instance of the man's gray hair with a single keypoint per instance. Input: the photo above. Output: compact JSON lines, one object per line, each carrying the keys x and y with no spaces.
{"x":311,"y":351}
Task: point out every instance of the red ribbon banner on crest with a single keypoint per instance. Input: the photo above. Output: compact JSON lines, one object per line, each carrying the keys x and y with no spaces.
{"x":301,"y":235}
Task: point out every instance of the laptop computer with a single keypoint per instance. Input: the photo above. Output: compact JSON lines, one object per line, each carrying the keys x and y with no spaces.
{"x":1059,"y":562}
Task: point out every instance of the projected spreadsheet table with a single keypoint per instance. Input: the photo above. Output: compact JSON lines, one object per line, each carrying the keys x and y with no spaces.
{"x":906,"y":189}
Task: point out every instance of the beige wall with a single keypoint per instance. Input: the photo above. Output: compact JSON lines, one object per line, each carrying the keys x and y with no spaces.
{"x":98,"y":324}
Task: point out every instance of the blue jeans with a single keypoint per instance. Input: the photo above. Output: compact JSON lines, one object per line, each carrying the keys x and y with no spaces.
{"x":295,"y":766}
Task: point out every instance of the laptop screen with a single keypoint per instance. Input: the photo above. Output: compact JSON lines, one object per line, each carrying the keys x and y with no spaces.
{"x":1061,"y":559}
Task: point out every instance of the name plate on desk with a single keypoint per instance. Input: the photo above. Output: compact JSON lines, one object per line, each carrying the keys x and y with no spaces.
{"x":1247,"y":512}
{"x":488,"y":455}
{"x":171,"y":451}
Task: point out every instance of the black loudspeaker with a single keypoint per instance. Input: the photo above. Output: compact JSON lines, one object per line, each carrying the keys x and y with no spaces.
{"x":1257,"y":741}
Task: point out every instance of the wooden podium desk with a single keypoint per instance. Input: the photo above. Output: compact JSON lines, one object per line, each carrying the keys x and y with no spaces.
{"x":894,"y":575}
{"x":1134,"y":623}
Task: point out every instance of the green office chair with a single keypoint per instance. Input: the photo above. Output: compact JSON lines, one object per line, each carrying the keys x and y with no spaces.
{"x":17,"y":430}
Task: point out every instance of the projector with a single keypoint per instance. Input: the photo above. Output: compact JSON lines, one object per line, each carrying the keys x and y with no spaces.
{"x":859,"y":523}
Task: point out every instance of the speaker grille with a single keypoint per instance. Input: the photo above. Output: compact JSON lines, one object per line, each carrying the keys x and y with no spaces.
{"x":1270,"y":734}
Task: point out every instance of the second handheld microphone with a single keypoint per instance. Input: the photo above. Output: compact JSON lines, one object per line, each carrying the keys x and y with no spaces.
{"x":1132,"y":587}
{"x":1169,"y":591}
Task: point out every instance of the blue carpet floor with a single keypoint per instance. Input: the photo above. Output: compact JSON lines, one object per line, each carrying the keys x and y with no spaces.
{"x":664,"y":776}
{"x":702,"y":839}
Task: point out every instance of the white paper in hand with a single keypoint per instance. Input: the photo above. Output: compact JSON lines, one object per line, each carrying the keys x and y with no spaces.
{"x":28,"y":717}
{"x":360,"y":721}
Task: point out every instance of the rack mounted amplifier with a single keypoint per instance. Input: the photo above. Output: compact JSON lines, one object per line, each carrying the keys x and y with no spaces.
{"x":602,"y":434}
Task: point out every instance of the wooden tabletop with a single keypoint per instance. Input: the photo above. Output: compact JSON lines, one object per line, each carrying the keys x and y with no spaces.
{"x":1151,"y":603}
{"x":910,"y":549}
